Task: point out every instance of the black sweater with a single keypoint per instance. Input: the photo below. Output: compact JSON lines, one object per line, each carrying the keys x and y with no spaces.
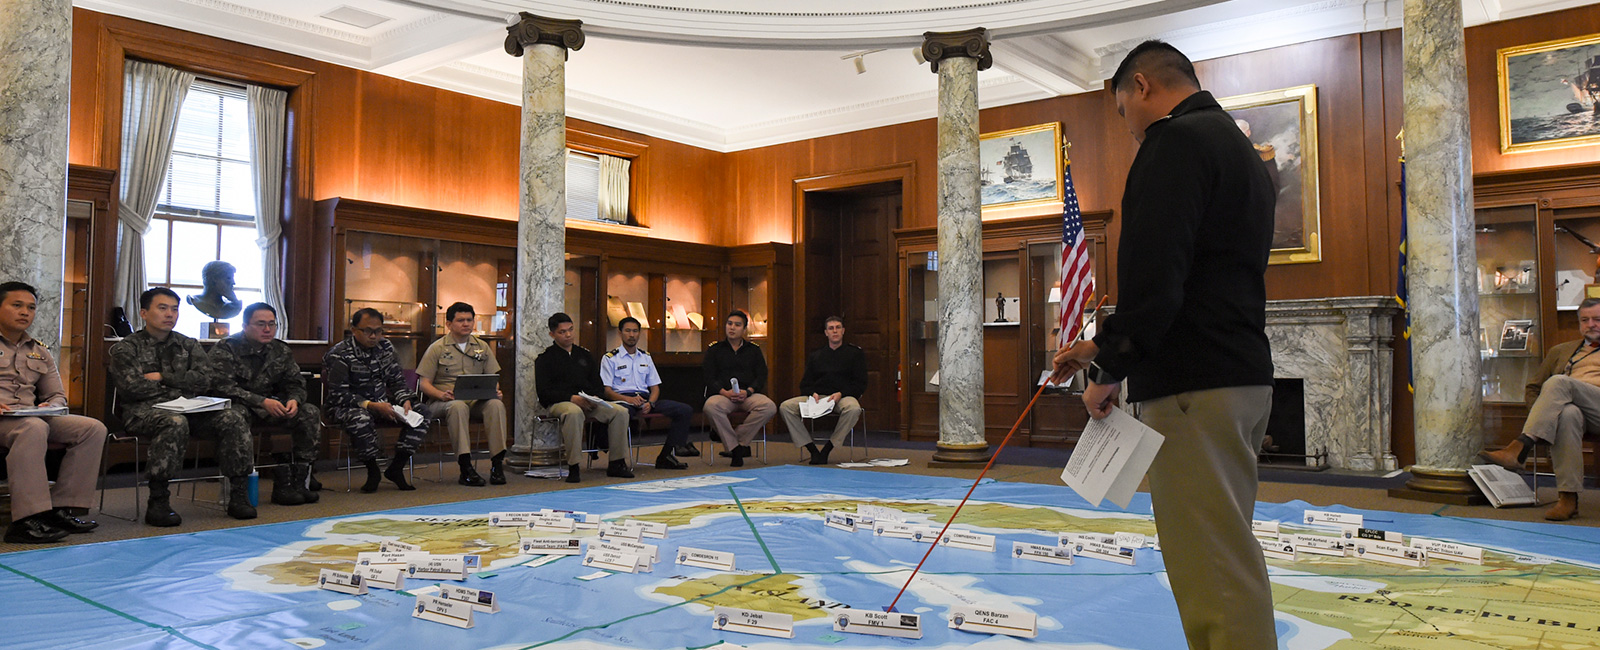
{"x":830,"y":371}
{"x":723,"y":363}
{"x":1197,"y":217}
{"x":558,"y":375}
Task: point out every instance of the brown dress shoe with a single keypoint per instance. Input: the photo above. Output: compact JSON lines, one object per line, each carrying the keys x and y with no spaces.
{"x":1566,"y":507}
{"x":1506,"y":458}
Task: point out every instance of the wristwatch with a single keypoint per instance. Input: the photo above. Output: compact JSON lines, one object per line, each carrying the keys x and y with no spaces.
{"x":1099,"y":375}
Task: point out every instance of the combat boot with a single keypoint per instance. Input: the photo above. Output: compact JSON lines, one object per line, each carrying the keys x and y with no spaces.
{"x":239,"y":498}
{"x":299,"y":475}
{"x":158,"y":510}
{"x":284,"y":490}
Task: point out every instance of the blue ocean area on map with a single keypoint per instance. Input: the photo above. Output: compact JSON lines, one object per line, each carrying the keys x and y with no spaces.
{"x":235,"y":588}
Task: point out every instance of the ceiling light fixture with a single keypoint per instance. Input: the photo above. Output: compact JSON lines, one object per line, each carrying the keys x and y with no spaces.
{"x":860,"y":59}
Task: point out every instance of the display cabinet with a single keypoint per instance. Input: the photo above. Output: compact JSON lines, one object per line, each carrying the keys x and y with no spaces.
{"x":1509,"y":309}
{"x":759,"y":276}
{"x":581,"y":297}
{"x":1021,"y":271}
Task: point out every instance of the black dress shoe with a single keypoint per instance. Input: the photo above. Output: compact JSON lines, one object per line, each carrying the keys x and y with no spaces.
{"x":33,"y":530}
{"x":469,"y":477}
{"x":572,"y":473}
{"x":666,"y":461}
{"x":497,"y":475}
{"x":726,"y":453}
{"x":619,"y":469}
{"x":686,"y":450}
{"x":62,"y":518}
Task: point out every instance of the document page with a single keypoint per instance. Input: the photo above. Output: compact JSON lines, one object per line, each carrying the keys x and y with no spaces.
{"x":1111,"y":458}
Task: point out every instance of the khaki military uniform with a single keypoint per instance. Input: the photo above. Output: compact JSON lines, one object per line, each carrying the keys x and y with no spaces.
{"x":442,"y":363}
{"x":28,"y":378}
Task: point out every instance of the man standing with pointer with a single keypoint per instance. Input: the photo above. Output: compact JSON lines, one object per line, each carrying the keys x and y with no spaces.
{"x":1189,"y":337}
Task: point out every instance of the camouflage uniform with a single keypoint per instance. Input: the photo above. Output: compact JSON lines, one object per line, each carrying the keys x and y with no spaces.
{"x":185,"y":372}
{"x":352,"y":375}
{"x":249,"y":372}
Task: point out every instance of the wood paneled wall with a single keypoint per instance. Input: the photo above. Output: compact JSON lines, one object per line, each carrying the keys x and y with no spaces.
{"x":1483,"y":85}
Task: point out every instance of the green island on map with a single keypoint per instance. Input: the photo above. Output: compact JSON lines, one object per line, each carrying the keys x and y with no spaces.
{"x":1507,"y":602}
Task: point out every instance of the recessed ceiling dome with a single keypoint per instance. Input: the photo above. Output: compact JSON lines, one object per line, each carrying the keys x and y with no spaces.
{"x":794,"y":24}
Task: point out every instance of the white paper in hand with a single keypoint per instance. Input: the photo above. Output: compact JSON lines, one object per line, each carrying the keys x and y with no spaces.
{"x":412,"y":419}
{"x":814,"y":408}
{"x":1111,"y":458}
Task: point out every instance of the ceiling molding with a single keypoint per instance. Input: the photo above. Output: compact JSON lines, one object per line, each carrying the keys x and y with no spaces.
{"x":448,"y":41}
{"x":1048,"y":62}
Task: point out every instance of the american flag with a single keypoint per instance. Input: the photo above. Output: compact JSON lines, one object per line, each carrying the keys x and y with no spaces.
{"x":1077,"y":282}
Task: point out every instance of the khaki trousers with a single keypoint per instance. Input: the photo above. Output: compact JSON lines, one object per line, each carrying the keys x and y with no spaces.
{"x":571,"y":417}
{"x":759,"y":406}
{"x":458,"y":415}
{"x":28,"y":438}
{"x":1565,"y":408}
{"x":848,"y":410}
{"x":1203,"y":490}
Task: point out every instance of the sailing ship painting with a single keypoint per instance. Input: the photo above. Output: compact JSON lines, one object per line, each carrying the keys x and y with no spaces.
{"x":1020,"y":165}
{"x":1550,"y":94}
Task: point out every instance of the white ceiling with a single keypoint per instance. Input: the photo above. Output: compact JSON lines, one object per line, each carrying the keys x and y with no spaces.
{"x":735,"y":74}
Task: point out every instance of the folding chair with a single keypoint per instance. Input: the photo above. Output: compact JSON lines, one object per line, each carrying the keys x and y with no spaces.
{"x":857,"y":432}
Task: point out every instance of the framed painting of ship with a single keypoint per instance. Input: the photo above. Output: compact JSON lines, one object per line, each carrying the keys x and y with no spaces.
{"x":1282,"y":126}
{"x":1549,"y":94}
{"x":1019,"y":168}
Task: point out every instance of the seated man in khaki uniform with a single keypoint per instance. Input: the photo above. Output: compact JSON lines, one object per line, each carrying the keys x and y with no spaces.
{"x":1564,"y":401}
{"x":458,"y":353}
{"x":41,"y":512}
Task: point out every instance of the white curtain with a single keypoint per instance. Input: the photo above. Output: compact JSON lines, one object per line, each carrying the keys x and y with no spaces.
{"x":614,"y":188}
{"x":267,"y":136}
{"x":151,"y":98}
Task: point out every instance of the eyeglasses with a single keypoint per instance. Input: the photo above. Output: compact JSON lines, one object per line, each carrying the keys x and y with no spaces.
{"x":265,"y":324}
{"x":371,"y":331}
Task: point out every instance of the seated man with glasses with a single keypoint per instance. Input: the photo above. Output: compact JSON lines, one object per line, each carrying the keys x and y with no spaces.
{"x":365,"y":386}
{"x":258,"y":372}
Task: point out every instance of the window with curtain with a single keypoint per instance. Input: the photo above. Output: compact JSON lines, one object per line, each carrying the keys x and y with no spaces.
{"x":207,"y":206}
{"x":597,"y":187}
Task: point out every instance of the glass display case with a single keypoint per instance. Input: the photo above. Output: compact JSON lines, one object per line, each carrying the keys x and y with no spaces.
{"x":1510,"y":338}
{"x":922,"y":301}
{"x":628,"y":295}
{"x":480,"y":276}
{"x":684,"y":320}
{"x":750,"y":292}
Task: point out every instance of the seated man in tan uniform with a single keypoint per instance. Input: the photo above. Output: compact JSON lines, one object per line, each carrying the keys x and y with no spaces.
{"x":41,"y":512}
{"x":1564,"y":399}
{"x":458,"y":353}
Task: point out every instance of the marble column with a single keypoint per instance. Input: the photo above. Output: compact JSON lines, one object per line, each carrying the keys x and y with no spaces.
{"x":541,"y":222}
{"x":1442,"y":258}
{"x":957,"y":57}
{"x":35,"y":72}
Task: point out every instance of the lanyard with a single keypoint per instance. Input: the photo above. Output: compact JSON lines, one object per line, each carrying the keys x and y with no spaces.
{"x":1571,"y":362}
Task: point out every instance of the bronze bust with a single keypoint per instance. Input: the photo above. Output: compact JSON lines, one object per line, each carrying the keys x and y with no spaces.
{"x":217,"y":299}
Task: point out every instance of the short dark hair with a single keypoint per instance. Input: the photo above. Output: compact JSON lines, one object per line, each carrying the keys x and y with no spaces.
{"x":7,"y":287}
{"x":456,"y":308}
{"x":362,"y":314}
{"x":557,"y":319}
{"x":1587,"y":302}
{"x":250,"y":311}
{"x":832,"y":319}
{"x":626,"y":321}
{"x":150,"y":294}
{"x":1155,"y":60}
{"x":742,"y":316}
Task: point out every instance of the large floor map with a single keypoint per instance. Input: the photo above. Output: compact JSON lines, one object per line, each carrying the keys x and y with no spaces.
{"x":254,"y":587}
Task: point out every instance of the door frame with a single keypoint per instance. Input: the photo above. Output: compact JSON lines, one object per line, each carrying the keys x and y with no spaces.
{"x":905,"y":173}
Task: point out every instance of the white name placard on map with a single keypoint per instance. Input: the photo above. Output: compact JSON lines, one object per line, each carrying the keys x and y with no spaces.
{"x":866,"y":621}
{"x":967,"y":541}
{"x":442,"y":567}
{"x":879,"y":513}
{"x":1390,"y":552}
{"x":750,"y":621}
{"x":838,"y":519}
{"x":481,"y":600}
{"x":1103,"y":551}
{"x":645,"y":552}
{"x":600,"y":558}
{"x":1042,"y":553}
{"x":443,"y":610}
{"x":383,"y":576}
{"x":897,"y":530}
{"x":552,"y":523}
{"x":925,"y":534}
{"x":1449,"y":550}
{"x":619,"y":530}
{"x":1267,"y":529}
{"x":1277,"y":549}
{"x":1334,"y":519}
{"x":511,"y":518}
{"x":1130,"y":540}
{"x":398,"y":558}
{"x":551,"y":546}
{"x":705,"y":559}
{"x":1073,"y":539}
{"x":984,"y":620}
{"x":344,"y":583}
{"x":579,"y":519}
{"x":1380,"y":535}
{"x":1320,"y":544}
{"x":648,"y":529}
{"x":392,"y":546}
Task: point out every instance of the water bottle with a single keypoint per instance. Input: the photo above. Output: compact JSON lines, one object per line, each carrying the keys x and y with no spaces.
{"x":253,"y":488}
{"x":735,"y":382}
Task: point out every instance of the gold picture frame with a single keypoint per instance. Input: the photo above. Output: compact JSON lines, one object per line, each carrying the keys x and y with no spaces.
{"x":1000,"y":157}
{"x":1549,"y":94}
{"x":1282,"y":124}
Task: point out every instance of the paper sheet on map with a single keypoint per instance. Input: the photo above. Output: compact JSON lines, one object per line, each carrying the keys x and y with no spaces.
{"x":1111,"y":458}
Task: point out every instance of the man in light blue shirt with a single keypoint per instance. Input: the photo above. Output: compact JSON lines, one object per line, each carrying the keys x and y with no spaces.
{"x":630,"y":377}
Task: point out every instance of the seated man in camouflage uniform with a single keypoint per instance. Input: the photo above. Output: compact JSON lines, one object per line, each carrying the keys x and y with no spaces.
{"x":365,"y":385}
{"x":154,"y":365}
{"x":258,"y":372}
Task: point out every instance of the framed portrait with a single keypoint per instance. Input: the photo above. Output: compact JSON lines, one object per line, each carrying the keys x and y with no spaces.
{"x":1549,"y":94}
{"x":1282,"y":125}
{"x":1020,"y":167}
{"x":1514,"y":335}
